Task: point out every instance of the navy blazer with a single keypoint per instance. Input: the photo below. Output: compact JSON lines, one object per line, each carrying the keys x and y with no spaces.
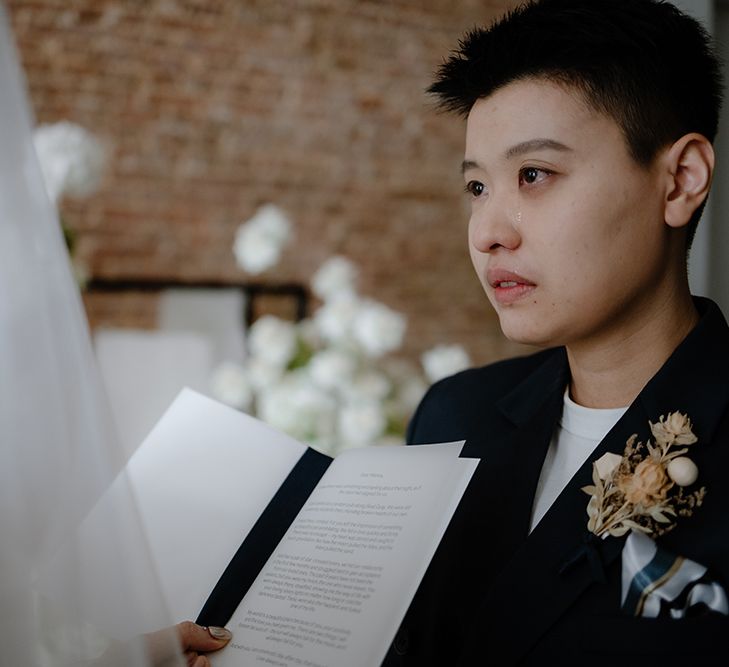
{"x":494,"y":594}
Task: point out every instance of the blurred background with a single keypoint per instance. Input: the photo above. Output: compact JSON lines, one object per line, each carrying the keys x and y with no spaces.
{"x":209,"y":109}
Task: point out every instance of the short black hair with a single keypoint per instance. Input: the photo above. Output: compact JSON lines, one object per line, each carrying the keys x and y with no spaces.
{"x":643,"y":63}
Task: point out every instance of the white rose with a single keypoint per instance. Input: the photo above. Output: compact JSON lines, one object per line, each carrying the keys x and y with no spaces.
{"x":377,"y":328}
{"x":273,"y":340}
{"x":332,"y":369}
{"x":444,"y":360}
{"x":259,"y":241}
{"x":275,"y":406}
{"x":309,"y":333}
{"x":262,"y":374}
{"x":409,"y":394}
{"x":370,"y":385}
{"x":336,"y":275}
{"x":335,"y":318}
{"x":71,"y":159}
{"x":361,"y":423}
{"x":229,"y":384}
{"x":299,"y":408}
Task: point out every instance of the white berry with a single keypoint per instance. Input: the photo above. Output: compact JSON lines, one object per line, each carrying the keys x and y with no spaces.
{"x":683,"y":471}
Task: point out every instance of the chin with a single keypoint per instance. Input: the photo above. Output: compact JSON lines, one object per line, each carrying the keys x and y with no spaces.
{"x":527,"y":333}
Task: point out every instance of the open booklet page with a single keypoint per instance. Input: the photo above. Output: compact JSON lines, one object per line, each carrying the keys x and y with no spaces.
{"x":201,"y":479}
{"x":338,"y":585}
{"x":345,"y":560}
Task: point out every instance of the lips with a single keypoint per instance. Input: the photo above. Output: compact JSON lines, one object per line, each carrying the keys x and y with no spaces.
{"x":503,"y":278}
{"x":509,"y":286}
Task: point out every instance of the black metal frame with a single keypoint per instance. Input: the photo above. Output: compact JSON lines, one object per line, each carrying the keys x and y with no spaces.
{"x":251,"y":291}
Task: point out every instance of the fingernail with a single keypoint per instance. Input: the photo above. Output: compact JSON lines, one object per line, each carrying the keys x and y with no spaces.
{"x":219,"y":633}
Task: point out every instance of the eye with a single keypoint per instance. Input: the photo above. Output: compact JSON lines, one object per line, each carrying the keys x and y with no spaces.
{"x":475,"y":188}
{"x":532,"y":175}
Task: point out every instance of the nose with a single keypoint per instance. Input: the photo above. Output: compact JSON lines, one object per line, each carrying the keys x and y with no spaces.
{"x":493,"y":226}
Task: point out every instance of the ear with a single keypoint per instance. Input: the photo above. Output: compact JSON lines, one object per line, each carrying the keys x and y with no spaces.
{"x":690,"y":162}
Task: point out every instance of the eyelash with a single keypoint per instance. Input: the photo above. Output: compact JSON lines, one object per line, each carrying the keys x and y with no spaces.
{"x":523,"y":170}
{"x":472,"y":185}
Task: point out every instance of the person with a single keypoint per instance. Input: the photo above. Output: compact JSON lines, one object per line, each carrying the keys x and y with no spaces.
{"x":588,"y":161}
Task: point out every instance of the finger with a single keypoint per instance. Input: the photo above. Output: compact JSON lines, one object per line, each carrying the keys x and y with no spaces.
{"x":190,"y":658}
{"x":200,"y":638}
{"x":201,"y":661}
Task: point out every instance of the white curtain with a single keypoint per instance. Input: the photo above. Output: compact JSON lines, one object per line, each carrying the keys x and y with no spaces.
{"x":58,"y":450}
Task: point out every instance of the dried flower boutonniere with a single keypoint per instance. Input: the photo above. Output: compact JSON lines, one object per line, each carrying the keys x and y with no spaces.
{"x":637,"y":491}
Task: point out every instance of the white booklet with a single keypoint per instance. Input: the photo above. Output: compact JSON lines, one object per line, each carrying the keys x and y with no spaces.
{"x":307,"y":561}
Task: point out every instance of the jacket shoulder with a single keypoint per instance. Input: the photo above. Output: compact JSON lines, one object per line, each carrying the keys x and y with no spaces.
{"x":456,"y":407}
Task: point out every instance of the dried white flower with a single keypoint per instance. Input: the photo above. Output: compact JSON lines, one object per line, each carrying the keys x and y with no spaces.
{"x":273,"y":340}
{"x":377,"y":328}
{"x":607,"y":463}
{"x":336,"y":275}
{"x":71,"y":159}
{"x":673,"y":430}
{"x":230,"y":385}
{"x":260,"y":241}
{"x":444,"y":360}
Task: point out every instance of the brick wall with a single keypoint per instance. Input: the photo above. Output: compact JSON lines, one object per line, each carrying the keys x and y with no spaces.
{"x":211,"y":107}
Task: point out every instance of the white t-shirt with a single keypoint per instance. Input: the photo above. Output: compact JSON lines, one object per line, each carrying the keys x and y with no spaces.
{"x":580,"y":430}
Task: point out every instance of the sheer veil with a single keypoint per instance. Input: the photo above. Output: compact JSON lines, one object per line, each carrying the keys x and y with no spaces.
{"x":58,"y":447}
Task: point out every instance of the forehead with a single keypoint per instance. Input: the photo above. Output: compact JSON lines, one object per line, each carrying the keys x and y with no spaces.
{"x":536,"y":109}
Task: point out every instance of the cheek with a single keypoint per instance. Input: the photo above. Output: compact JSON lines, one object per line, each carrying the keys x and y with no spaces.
{"x":477,"y":257}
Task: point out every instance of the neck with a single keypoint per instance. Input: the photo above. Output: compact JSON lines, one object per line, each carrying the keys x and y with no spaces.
{"x":611,"y":372}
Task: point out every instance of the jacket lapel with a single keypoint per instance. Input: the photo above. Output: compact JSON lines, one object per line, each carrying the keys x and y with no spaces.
{"x":534,"y":589}
{"x":499,"y":498}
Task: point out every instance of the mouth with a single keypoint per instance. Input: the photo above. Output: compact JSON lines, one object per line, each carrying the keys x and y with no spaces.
{"x":509,"y":287}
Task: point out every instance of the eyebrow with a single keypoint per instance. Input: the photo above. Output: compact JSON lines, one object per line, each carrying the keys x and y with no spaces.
{"x":534,"y":145}
{"x":521,"y":148}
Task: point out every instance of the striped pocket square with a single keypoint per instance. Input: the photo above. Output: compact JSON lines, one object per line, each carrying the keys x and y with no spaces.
{"x":657,"y":583}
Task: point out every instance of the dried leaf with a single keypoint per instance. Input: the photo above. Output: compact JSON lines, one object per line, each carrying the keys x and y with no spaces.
{"x":673,"y":455}
{"x":619,"y":530}
{"x":656,"y":515}
{"x":636,"y":526}
{"x":596,"y":477}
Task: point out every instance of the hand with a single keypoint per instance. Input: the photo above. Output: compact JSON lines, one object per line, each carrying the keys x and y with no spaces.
{"x":197,"y":638}
{"x":193,"y":639}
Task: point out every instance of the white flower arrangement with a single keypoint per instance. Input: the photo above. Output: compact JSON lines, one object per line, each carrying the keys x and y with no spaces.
{"x":231,"y":383}
{"x":273,"y":341}
{"x":377,"y":328}
{"x":330,"y":380}
{"x":444,"y":360}
{"x":336,"y":276}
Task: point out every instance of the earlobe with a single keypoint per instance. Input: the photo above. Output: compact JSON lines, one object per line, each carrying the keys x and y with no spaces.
{"x":690,"y":164}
